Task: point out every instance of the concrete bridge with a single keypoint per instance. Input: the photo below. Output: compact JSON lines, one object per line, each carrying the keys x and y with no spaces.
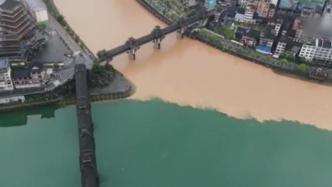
{"x":156,"y":36}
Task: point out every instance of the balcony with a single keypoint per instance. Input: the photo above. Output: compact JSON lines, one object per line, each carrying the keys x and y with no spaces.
{"x":14,"y":20}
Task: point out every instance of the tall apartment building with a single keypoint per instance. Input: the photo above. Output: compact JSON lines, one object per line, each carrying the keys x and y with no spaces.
{"x":263,"y":8}
{"x":38,"y":10}
{"x":16,"y":28}
{"x":327,"y":19}
{"x":6,"y":83}
{"x":266,"y":9}
{"x":320,"y":50}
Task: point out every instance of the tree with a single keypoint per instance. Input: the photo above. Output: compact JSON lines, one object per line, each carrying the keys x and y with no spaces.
{"x":284,"y":61}
{"x":302,"y":67}
{"x":61,"y":19}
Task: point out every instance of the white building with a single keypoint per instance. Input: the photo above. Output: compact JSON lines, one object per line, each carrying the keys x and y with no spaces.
{"x":247,"y":17}
{"x":6,"y":83}
{"x":327,"y":19}
{"x":280,"y":49}
{"x":38,"y":10}
{"x":319,"y":50}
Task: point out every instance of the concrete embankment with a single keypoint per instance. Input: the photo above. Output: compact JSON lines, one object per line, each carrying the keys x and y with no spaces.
{"x":10,"y":107}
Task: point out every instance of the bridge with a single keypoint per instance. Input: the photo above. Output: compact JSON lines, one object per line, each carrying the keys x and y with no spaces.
{"x":132,"y":45}
{"x":88,"y":164}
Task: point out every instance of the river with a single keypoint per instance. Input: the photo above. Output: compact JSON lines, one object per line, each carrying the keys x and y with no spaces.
{"x":148,"y":142}
{"x":152,"y":143}
{"x":188,"y":72}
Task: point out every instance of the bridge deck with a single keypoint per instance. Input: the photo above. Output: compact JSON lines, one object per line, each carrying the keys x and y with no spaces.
{"x":108,"y":55}
{"x":88,"y":165}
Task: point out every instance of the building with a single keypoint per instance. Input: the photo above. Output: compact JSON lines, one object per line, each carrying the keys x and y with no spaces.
{"x":17,"y":28}
{"x":34,"y":76}
{"x":38,"y":9}
{"x":5,"y":76}
{"x":263,"y":8}
{"x":287,"y":46}
{"x":246,"y":16}
{"x":250,"y":38}
{"x":320,"y":50}
{"x":280,"y":49}
{"x":210,"y":4}
{"x":308,"y":51}
{"x":266,"y":42}
{"x":327,"y":19}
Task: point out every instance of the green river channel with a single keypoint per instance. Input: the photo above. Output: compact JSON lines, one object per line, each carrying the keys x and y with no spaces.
{"x":158,"y":144}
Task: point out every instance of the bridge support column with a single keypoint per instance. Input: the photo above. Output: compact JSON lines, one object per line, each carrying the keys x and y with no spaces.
{"x":157,"y":43}
{"x":132,"y":54}
{"x":133,"y":47}
{"x":181,"y":32}
{"x":158,"y":36}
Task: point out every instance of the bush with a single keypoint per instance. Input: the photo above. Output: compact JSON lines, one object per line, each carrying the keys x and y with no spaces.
{"x":302,"y":67}
{"x":284,"y":61}
{"x":61,"y":20}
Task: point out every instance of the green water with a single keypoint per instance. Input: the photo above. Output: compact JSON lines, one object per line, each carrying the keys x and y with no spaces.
{"x":155,"y":144}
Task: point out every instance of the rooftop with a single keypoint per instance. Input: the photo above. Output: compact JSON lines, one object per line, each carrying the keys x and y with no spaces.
{"x":26,"y":71}
{"x":8,"y":4}
{"x":36,"y":4}
{"x":324,"y":43}
{"x":3,"y":63}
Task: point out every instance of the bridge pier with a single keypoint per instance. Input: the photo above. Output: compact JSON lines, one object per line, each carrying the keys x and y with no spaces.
{"x":181,"y":32}
{"x":182,"y":28}
{"x":157,"y":43}
{"x":133,"y":48}
{"x":158,"y":36}
{"x":132,"y":54}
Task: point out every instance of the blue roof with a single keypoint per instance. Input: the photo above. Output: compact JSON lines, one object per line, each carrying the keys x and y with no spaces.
{"x":4,"y":63}
{"x":263,"y":48}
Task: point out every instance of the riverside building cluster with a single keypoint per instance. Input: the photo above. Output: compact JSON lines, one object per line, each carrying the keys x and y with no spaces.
{"x":293,"y":30}
{"x":20,"y":39}
{"x":35,"y":55}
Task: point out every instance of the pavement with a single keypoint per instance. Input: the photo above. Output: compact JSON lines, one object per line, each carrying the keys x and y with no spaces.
{"x":70,"y":43}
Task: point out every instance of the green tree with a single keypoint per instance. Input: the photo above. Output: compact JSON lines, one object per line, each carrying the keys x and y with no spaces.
{"x":302,"y":67}
{"x":284,"y":61}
